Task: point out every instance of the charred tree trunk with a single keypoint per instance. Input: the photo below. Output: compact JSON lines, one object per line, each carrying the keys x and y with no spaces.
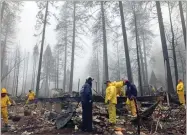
{"x":105,"y":51}
{"x":17,"y":74}
{"x":164,"y":48}
{"x":23,"y":74}
{"x":141,"y":65}
{"x":98,"y":76}
{"x":34,"y":72}
{"x":41,"y":52}
{"x":128,"y":64}
{"x":2,"y":10}
{"x":145,"y":65}
{"x":173,"y":47}
{"x":4,"y":51}
{"x":55,"y":74}
{"x":182,"y":21}
{"x":138,"y":58}
{"x":8,"y":77}
{"x":25,"y":83}
{"x":65,"y":58}
{"x":17,"y":81}
{"x":73,"y":50}
{"x":33,"y":75}
{"x":118,"y":62}
{"x":182,"y":63}
{"x":14,"y":77}
{"x":57,"y":68}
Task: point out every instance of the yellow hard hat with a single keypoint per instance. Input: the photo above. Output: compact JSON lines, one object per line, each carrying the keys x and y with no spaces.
{"x":3,"y":90}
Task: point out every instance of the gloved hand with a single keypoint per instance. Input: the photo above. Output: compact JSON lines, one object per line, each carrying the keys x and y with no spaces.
{"x":124,"y":81}
{"x":107,"y":102}
{"x":132,"y":97}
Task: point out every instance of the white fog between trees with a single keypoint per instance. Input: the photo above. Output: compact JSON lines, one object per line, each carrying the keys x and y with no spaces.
{"x":50,"y":46}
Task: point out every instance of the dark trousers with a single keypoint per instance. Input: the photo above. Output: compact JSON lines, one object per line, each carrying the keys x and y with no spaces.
{"x":87,"y":116}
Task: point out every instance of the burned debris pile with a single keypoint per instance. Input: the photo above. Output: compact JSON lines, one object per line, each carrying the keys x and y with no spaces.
{"x":66,"y":119}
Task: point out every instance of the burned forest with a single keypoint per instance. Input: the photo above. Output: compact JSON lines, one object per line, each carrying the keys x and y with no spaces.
{"x":93,"y":67}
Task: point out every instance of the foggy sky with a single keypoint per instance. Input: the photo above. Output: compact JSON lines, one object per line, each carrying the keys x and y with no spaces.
{"x":27,"y":41}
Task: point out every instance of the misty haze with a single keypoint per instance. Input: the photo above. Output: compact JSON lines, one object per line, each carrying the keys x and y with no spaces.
{"x":23,"y":31}
{"x":52,"y":47}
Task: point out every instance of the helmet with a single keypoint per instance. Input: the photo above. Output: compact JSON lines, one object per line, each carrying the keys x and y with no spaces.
{"x":89,"y":78}
{"x":179,"y":80}
{"x":3,"y":91}
{"x":108,"y":81}
{"x":126,"y":82}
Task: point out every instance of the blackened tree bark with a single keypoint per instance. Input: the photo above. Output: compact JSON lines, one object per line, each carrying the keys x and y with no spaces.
{"x":105,"y":52}
{"x":57,"y":67}
{"x":164,"y":48}
{"x":73,"y":50}
{"x":98,"y":76}
{"x":173,"y":46}
{"x":118,"y":62}
{"x":128,"y":64}
{"x":35,"y":63}
{"x":41,"y":52}
{"x":182,"y":21}
{"x":141,"y":65}
{"x":145,"y":65}
{"x":2,"y":9}
{"x":137,"y":49}
{"x":23,"y":74}
{"x":65,"y":57}
{"x":25,"y":82}
{"x":17,"y":73}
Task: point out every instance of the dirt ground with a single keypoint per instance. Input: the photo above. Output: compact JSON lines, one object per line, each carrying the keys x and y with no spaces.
{"x":163,"y":121}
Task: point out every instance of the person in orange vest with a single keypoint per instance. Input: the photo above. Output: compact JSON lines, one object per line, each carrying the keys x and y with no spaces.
{"x":31,"y":96}
{"x":180,"y":92}
{"x":5,"y":101}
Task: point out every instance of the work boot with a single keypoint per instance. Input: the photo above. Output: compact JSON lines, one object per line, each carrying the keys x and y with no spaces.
{"x":83,"y":130}
{"x":89,"y":130}
{"x":112,"y":125}
{"x":133,"y":116}
{"x":6,"y":125}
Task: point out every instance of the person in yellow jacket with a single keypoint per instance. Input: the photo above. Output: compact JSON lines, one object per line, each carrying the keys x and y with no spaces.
{"x":180,"y":92}
{"x":111,"y":100}
{"x":120,"y":91}
{"x":31,"y":96}
{"x":119,"y":88}
{"x":5,"y":101}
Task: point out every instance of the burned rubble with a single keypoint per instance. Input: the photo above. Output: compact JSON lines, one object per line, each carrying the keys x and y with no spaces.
{"x":65,"y":118}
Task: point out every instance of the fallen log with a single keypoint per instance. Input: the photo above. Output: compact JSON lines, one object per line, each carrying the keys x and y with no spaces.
{"x":64,"y":118}
{"x":145,"y":114}
{"x":95,"y":99}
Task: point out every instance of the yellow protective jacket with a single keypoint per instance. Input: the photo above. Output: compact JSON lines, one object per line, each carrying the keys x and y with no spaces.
{"x":111,"y":94}
{"x":119,"y":88}
{"x":120,"y":92}
{"x":180,"y":87}
{"x":31,"y":96}
{"x":5,"y":101}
